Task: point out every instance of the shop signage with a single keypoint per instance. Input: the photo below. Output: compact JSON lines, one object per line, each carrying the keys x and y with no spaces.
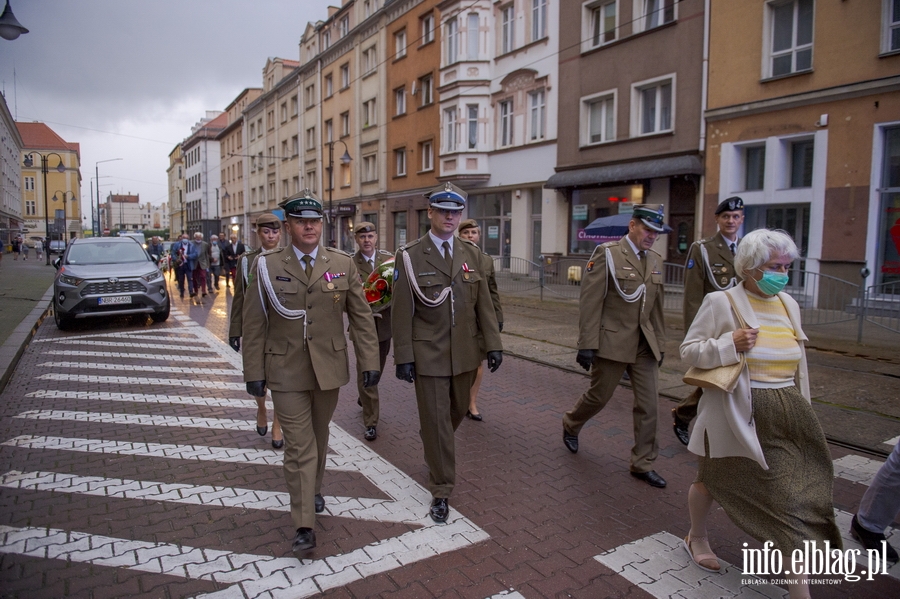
{"x":579,"y":211}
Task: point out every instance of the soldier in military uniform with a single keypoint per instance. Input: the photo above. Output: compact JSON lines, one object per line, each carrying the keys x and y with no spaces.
{"x":441,"y":301}
{"x":621,"y":329}
{"x":268,"y":229}
{"x":294,"y":344}
{"x":710,"y":267}
{"x":367,"y":259}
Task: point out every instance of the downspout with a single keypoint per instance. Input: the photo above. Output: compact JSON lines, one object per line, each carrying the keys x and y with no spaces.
{"x":704,"y":89}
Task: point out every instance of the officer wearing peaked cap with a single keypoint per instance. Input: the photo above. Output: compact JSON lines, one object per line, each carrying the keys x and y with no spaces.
{"x":710,"y":267}
{"x":621,"y":329}
{"x":441,"y":301}
{"x":294,"y":343}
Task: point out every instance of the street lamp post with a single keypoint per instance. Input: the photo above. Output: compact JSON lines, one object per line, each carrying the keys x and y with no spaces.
{"x":29,"y":162}
{"x":345,"y":159}
{"x":99,"y":230}
{"x":65,"y":210}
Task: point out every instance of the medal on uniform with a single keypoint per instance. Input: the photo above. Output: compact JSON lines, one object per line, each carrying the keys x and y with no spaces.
{"x":330,"y":286}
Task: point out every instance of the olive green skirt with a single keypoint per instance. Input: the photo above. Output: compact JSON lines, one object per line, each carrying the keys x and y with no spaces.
{"x":792,"y":501}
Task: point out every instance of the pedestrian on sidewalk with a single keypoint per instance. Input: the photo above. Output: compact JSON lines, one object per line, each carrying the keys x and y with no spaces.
{"x":199,"y":257}
{"x":17,"y":247}
{"x":38,"y":249}
{"x":233,"y":251}
{"x":621,"y":329}
{"x":439,"y":287}
{"x":469,"y":231}
{"x":180,"y":250}
{"x":268,"y":230}
{"x":710,"y":267}
{"x":295,"y":345}
{"x":215,"y":263}
{"x":879,"y":507}
{"x":25,"y":249}
{"x":762,"y":453}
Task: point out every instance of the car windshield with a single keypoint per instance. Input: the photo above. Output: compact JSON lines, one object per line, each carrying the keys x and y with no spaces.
{"x":106,"y":253}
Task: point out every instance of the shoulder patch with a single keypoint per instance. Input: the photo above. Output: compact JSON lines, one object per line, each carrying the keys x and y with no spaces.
{"x":690,"y":263}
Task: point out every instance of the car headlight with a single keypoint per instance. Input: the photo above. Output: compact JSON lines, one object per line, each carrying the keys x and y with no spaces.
{"x":152,"y":276}
{"x":73,"y":281}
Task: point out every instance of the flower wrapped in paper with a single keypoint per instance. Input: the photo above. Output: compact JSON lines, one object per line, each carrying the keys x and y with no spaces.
{"x":379,"y":286}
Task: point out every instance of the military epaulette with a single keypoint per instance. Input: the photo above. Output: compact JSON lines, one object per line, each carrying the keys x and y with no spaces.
{"x":655,"y":252}
{"x":263,"y":252}
{"x":412,"y":243}
{"x":470,"y":242}
{"x":385,"y":253}
{"x":337,"y":251}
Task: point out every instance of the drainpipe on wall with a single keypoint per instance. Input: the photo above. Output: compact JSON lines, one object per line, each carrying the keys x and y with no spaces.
{"x":704,"y":89}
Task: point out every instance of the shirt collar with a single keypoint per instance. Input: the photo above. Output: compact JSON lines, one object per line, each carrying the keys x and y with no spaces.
{"x":439,"y":243}
{"x":634,"y":249}
{"x":300,"y":254}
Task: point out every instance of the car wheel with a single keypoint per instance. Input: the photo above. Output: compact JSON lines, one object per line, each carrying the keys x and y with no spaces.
{"x":63,"y":321}
{"x":161,"y":316}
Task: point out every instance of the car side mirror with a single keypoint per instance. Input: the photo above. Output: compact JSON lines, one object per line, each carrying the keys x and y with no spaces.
{"x":56,"y":262}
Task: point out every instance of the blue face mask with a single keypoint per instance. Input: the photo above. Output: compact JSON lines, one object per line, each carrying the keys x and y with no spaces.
{"x":772,"y":282}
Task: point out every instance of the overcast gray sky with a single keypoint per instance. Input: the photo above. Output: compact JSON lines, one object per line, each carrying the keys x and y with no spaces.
{"x":129,"y":78}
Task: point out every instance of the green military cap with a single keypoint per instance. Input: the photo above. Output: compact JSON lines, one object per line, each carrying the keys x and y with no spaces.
{"x":651,"y":215}
{"x":268,"y":220}
{"x":447,"y":197}
{"x":469,"y":223}
{"x":302,"y":205}
{"x":729,"y":205}
{"x":364,"y":227}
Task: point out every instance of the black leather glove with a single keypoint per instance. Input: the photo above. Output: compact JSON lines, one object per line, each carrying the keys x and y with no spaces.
{"x":235,"y":343}
{"x":495,"y":358}
{"x":256,"y":388}
{"x":371,"y":378}
{"x":585,"y":358}
{"x":662,"y":357}
{"x":406,"y":372}
{"x":500,"y":325}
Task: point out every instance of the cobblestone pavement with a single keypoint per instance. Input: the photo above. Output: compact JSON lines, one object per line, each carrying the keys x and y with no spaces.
{"x":130,"y":467}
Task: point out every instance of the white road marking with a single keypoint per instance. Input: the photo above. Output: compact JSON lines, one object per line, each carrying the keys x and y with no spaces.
{"x":130,"y":380}
{"x":141,"y":419}
{"x":182,"y":400}
{"x":893,"y":441}
{"x":122,"y":344}
{"x":118,"y":355}
{"x":856,"y":468}
{"x":148,"y":368}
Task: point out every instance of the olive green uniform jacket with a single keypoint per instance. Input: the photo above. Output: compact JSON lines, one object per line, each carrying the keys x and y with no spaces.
{"x":697,"y":281}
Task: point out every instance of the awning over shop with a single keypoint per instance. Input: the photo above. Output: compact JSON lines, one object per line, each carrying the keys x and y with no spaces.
{"x":629,"y":171}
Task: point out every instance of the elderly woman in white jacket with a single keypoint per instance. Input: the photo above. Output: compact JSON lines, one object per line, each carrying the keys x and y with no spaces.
{"x":763,"y":456}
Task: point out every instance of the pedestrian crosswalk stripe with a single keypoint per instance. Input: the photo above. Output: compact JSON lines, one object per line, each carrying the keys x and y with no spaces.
{"x":893,"y":441}
{"x":123,"y":344}
{"x":167,"y":335}
{"x":183,"y":400}
{"x":141,"y":368}
{"x":141,"y":419}
{"x":119,"y":355}
{"x":134,"y":380}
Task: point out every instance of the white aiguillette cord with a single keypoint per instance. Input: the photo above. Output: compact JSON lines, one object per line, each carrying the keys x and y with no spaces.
{"x":263,"y":272}
{"x":431,"y":303}
{"x":639,"y":293}
{"x":712,"y":277}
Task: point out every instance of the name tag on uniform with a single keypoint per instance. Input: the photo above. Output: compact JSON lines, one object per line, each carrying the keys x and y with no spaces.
{"x":282,"y":278}
{"x":427,"y":274}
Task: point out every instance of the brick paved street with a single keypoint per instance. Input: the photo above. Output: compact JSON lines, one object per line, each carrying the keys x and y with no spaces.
{"x":130,"y":467}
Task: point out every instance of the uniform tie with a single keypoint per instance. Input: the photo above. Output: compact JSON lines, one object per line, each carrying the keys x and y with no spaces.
{"x":371,"y":262}
{"x":307,"y":260}
{"x":732,"y":248}
{"x":643,"y":256}
{"x":447,"y":256}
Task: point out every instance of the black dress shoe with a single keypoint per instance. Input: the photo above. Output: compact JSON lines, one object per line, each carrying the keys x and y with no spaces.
{"x":320,"y":503}
{"x":681,"y":428}
{"x":303,"y":541}
{"x":277,"y":444}
{"x":651,"y":478}
{"x":371,"y":433}
{"x":872,"y":540}
{"x":262,"y":430}
{"x":476,"y":417}
{"x":571,"y":441}
{"x":440,"y":509}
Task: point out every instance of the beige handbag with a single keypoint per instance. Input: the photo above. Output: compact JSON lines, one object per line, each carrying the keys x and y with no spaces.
{"x":721,"y":377}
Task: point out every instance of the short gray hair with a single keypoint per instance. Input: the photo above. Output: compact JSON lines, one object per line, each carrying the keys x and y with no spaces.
{"x":759,"y":246}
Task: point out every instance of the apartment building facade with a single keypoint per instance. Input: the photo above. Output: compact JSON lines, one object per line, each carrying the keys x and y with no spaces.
{"x":123,"y":212}
{"x":201,"y":155}
{"x":804,"y":124}
{"x":232,"y":163}
{"x":11,"y":223}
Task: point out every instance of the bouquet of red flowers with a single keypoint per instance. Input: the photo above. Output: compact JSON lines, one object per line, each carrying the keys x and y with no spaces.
{"x":379,"y":286}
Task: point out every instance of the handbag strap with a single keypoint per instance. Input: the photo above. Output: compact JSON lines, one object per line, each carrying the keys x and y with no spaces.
{"x":737,"y":312}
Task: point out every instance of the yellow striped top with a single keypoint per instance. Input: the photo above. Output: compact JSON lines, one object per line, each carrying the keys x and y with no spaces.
{"x":774,"y":359}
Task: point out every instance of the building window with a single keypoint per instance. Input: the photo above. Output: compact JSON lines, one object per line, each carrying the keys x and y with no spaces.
{"x":329,"y":86}
{"x":29,"y":183}
{"x":370,"y":60}
{"x":450,"y":130}
{"x":311,"y":138}
{"x":400,"y":101}
{"x":329,"y":130}
{"x":284,"y":150}
{"x":369,"y":118}
{"x":345,"y":25}
{"x":654,"y":103}
{"x":399,"y":228}
{"x":284,"y":112}
{"x":285,"y":189}
{"x":600,"y":115}
{"x":294,"y":106}
{"x":326,"y":40}
{"x":296,"y":183}
{"x":599,"y":24}
{"x":452,"y":41}
{"x":400,"y":162}
{"x":345,"y":124}
{"x":311,"y":181}
{"x":270,"y":119}
{"x":370,"y":168}
{"x":309,"y":97}
{"x":891,"y":33}
{"x":427,"y":28}
{"x":271,"y":155}
{"x":400,"y":44}
{"x":507,"y":28}
{"x":345,"y":175}
{"x":538,"y":19}
{"x":658,"y":12}
{"x":472,"y":36}
{"x":345,"y":75}
{"x":252,"y":132}
{"x":368,"y":8}
{"x":426,"y":85}
{"x":506,"y":123}
{"x":538,"y":114}
{"x":754,"y":168}
{"x":472,"y":126}
{"x":801,"y":163}
{"x":426,"y":150}
{"x":791,"y":33}
{"x":30,"y":205}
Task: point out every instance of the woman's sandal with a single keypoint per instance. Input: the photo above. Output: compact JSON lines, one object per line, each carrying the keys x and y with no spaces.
{"x":699,"y":559}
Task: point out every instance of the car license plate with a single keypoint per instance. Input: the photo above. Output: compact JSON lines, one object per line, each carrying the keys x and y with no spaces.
{"x":114,"y":299}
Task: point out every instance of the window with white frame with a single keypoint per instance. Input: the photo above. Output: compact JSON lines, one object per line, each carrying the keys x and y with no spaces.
{"x":284,"y":112}
{"x":329,"y":130}
{"x":506,"y":122}
{"x":472,"y":126}
{"x":598,"y":118}
{"x":309,"y":97}
{"x":599,"y":23}
{"x":295,"y":181}
{"x":284,"y":150}
{"x":326,"y":39}
{"x":271,"y":155}
{"x":29,"y":183}
{"x":328,"y":84}
{"x":654,"y":103}
{"x":311,"y":181}
{"x":345,"y":25}
{"x":295,"y":145}
{"x":345,"y":76}
{"x":507,"y":28}
{"x":311,"y":138}
{"x":450,"y":127}
{"x":400,"y":101}
{"x":30,"y":207}
{"x":537,"y":109}
{"x":801,"y":163}
{"x":427,"y":28}
{"x":426,"y":150}
{"x":345,"y":123}
{"x":890,"y":37}
{"x":369,"y":7}
{"x":285,"y":188}
{"x":400,"y":162}
{"x":538,"y":19}
{"x":370,"y":60}
{"x":294,"y":106}
{"x":452,"y":36}
{"x":400,"y":44}
{"x":472,"y":36}
{"x":658,"y":12}
{"x":370,"y":168}
{"x":426,"y":85}
{"x":790,"y":32}
{"x":754,"y":168}
{"x":369,"y":118}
